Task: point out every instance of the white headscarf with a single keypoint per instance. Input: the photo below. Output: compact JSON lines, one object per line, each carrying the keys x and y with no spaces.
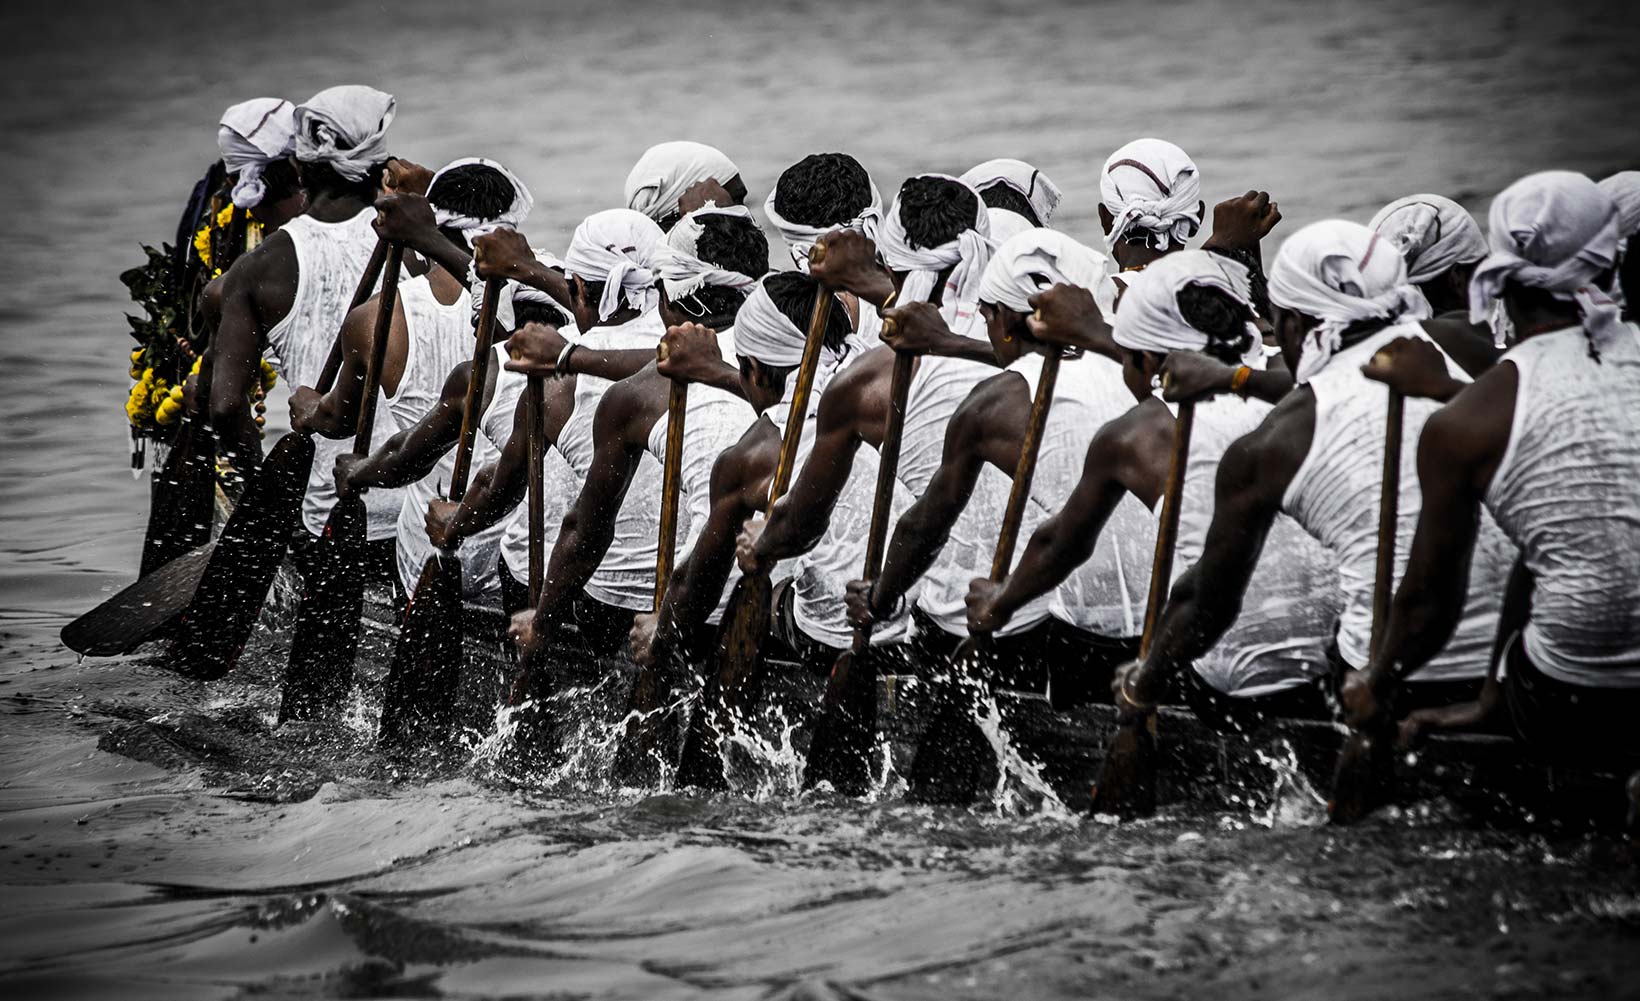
{"x":1150,"y":318}
{"x":1032,"y":184}
{"x":677,"y":262}
{"x":1340,"y":272}
{"x":1555,"y":231}
{"x":666,"y":170}
{"x":617,"y":247}
{"x":765,"y":334}
{"x":1006,"y":224}
{"x":1150,"y":185}
{"x":1038,"y":258}
{"x":967,"y":256}
{"x":800,"y":237}
{"x":473,"y":227}
{"x":345,"y":127}
{"x":512,"y":293}
{"x":1623,"y":188}
{"x":252,"y":135}
{"x":1433,"y":233}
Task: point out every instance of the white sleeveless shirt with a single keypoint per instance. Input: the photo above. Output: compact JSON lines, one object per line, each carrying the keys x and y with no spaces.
{"x":438,"y":338}
{"x":937,"y":389}
{"x":1106,"y":594}
{"x":626,"y":577}
{"x":330,"y":260}
{"x":1334,"y":496}
{"x":1567,"y":491}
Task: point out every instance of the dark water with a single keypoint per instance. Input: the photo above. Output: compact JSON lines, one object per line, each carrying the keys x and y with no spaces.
{"x":260,"y":864}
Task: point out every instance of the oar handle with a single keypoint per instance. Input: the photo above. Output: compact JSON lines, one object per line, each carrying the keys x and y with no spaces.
{"x":361,"y":295}
{"x":671,"y":482}
{"x":1389,"y":504}
{"x":1025,"y":471}
{"x":1167,"y":532}
{"x":534,"y":417}
{"x":385,"y":305}
{"x":483,"y":338}
{"x":888,"y":471}
{"x":818,"y":320}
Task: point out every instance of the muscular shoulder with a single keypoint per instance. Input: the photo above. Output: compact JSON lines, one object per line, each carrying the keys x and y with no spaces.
{"x":1469,"y":435}
{"x":1264,"y":461}
{"x":858,"y":396}
{"x":745,"y":468}
{"x":629,"y":408}
{"x":992,"y":409}
{"x":267,"y":274}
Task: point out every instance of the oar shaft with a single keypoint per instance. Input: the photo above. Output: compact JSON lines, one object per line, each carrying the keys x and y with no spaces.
{"x":361,"y":295}
{"x":534,"y":408}
{"x":1389,"y":505}
{"x":385,"y":305}
{"x":671,"y":486}
{"x":1020,"y":494}
{"x":888,"y":471}
{"x":483,"y":338}
{"x":818,"y":320}
{"x":1167,"y":532}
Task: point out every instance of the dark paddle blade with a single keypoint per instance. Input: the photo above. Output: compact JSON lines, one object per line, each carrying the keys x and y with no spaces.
{"x":183,"y":498}
{"x":1364,"y":775}
{"x":731,"y":684}
{"x":651,"y":737}
{"x":1126,"y":785}
{"x":420,"y":695}
{"x":140,"y":612}
{"x":955,"y":762}
{"x":223,"y":610}
{"x":320,"y":673}
{"x":845,"y":736}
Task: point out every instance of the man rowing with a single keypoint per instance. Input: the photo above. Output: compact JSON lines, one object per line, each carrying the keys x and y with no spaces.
{"x":668,"y":174}
{"x":1015,"y":186}
{"x":256,"y":139}
{"x":1441,"y":244}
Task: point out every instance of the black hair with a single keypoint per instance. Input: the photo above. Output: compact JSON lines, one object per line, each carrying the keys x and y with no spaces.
{"x":793,"y":292}
{"x":733,"y":243}
{"x":935,"y":210}
{"x":473,"y":189}
{"x":319,"y":178}
{"x":1224,"y":320}
{"x":823,"y":189}
{"x":1002,"y":196}
{"x":280,"y":180}
{"x":530,"y":311}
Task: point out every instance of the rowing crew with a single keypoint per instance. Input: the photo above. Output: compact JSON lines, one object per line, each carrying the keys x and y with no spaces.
{"x":1514,"y":545}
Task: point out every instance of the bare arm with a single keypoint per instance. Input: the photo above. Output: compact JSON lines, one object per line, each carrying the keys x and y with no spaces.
{"x":413,"y":453}
{"x":336,"y":414}
{"x":255,"y":293}
{"x":490,"y":497}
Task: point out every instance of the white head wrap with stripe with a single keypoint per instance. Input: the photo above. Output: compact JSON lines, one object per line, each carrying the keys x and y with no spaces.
{"x":1434,"y":234}
{"x":617,"y":247}
{"x":666,"y":170}
{"x":254,"y":134}
{"x":1032,"y":184}
{"x":345,"y":127}
{"x":967,"y":256}
{"x":1153,"y":190}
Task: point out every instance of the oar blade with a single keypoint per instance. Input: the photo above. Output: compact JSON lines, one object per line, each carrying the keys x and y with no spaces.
{"x":654,"y":727}
{"x":955,"y":761}
{"x":1126,"y":785}
{"x":1364,"y":775}
{"x":183,"y":499}
{"x":418,"y":704}
{"x":319,"y":676}
{"x":140,"y":612}
{"x":223,"y":610}
{"x":731,"y":684}
{"x":840,"y":751}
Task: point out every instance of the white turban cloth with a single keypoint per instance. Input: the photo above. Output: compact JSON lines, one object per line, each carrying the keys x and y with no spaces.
{"x":677,"y":262}
{"x":1006,"y":224}
{"x":1150,"y":318}
{"x":666,"y":170}
{"x":1555,"y":231}
{"x":1151,"y":186}
{"x":765,"y":334}
{"x":1342,"y":273}
{"x":1032,"y":184}
{"x":1433,"y":233}
{"x":1623,"y":188}
{"x":512,"y":292}
{"x":345,"y":127}
{"x":252,"y":135}
{"x":800,"y":237}
{"x":967,"y":256}
{"x":617,"y":247}
{"x":473,"y":227}
{"x":1036,"y":259}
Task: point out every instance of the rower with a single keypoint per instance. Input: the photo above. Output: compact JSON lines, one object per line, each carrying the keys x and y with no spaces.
{"x":1272,"y":661}
{"x":1339,"y":294}
{"x":668,"y":171}
{"x":1548,"y":443}
{"x":1442,"y":244}
{"x":290,"y":295}
{"x":256,"y":139}
{"x":818,"y":194}
{"x":1016,"y":186}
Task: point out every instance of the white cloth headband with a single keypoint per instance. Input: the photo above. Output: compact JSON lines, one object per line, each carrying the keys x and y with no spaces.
{"x":345,"y":127}
{"x":473,"y":227}
{"x":254,"y":134}
{"x":1341,"y":273}
{"x":1006,"y":224}
{"x":1150,"y":318}
{"x":1433,"y":233}
{"x":967,"y":256}
{"x":666,"y":170}
{"x":800,"y":237}
{"x":616,"y":247}
{"x":512,"y":292}
{"x":1152,"y":186}
{"x":765,"y":334}
{"x":1037,"y":258}
{"x":678,"y":265}
{"x":1032,"y":184}
{"x":1623,"y":188}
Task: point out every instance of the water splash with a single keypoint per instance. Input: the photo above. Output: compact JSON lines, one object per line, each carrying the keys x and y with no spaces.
{"x":1294,"y":801}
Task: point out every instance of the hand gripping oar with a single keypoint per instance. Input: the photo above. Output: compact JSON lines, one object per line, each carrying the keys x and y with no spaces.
{"x":1365,"y":763}
{"x":1127,"y":779}
{"x":422,"y":682}
{"x":320,"y":671}
{"x":840,"y":751}
{"x":733,"y":685}
{"x":221,"y":610}
{"x":955,"y":760}
{"x":635,"y":758}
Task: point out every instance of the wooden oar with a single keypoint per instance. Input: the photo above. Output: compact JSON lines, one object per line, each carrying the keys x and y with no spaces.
{"x":955,"y":762}
{"x":421,"y":686}
{"x":1365,"y":762}
{"x":535,"y":408}
{"x":636,"y":760}
{"x":320,"y":671}
{"x":183,"y":499}
{"x":217,"y":615}
{"x":840,"y":751}
{"x":732,"y":687}
{"x":1127,"y":779}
